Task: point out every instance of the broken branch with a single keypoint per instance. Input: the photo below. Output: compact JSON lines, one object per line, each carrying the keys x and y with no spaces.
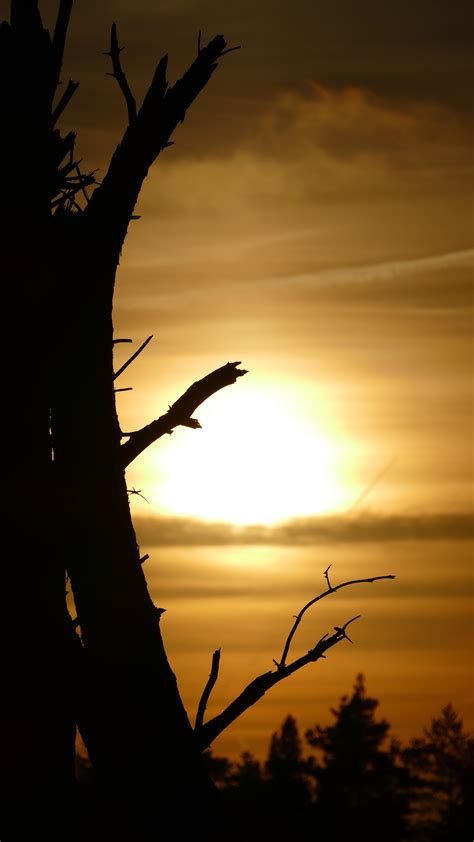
{"x":59,"y":40}
{"x":119,"y":74}
{"x":208,"y":689}
{"x":65,"y":100}
{"x":179,"y":414}
{"x":162,"y":110}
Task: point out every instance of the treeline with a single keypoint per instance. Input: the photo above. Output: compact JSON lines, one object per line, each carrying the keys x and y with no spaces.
{"x":353,"y":781}
{"x":350,"y":780}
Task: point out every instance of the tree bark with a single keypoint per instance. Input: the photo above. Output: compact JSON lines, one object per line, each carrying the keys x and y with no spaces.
{"x":67,"y":504}
{"x":40,"y":648}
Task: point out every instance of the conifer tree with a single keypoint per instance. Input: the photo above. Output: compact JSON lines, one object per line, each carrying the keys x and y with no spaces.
{"x":361,"y":786}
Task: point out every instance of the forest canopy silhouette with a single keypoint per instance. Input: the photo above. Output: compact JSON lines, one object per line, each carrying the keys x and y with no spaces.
{"x":352,"y":777}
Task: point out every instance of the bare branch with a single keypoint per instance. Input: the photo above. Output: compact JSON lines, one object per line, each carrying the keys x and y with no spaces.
{"x":133,"y":357}
{"x":179,"y":414}
{"x":162,"y":110}
{"x":208,"y":689}
{"x":119,"y":75}
{"x":116,"y":341}
{"x":84,"y":181}
{"x":257,"y":688}
{"x":344,"y":627}
{"x":59,"y":39}
{"x":65,"y":100}
{"x":316,"y":599}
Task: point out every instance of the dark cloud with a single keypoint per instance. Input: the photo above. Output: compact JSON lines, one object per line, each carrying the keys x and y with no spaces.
{"x":408,"y":51}
{"x":334,"y":529}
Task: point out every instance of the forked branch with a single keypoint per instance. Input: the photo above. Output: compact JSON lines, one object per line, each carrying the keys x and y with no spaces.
{"x":207,"y":733}
{"x":150,"y":129}
{"x":180,"y":413}
{"x":303,"y":611}
{"x":119,"y":74}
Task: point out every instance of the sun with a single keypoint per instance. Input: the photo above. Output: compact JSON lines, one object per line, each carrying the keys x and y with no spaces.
{"x":260,"y":457}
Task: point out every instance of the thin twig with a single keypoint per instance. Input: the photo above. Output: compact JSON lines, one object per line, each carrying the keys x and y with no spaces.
{"x":144,"y":558}
{"x":326,"y":573}
{"x":83,"y":182}
{"x":208,"y":689}
{"x":343,"y":629}
{"x":230,"y":50}
{"x":119,"y":75}
{"x":116,"y":341}
{"x":138,"y":493}
{"x":330,"y":590}
{"x":133,"y":357}
{"x":125,"y":389}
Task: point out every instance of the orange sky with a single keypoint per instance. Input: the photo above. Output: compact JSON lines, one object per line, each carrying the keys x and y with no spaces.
{"x":314,"y":219}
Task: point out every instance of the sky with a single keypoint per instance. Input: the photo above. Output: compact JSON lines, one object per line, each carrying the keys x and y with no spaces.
{"x":314,"y":220}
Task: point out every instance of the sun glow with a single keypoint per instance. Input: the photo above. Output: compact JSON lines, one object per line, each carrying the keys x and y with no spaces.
{"x":259,"y":458}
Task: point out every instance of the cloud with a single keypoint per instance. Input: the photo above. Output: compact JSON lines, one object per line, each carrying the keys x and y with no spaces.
{"x":320,"y":180}
{"x":321,"y":141}
{"x":389,"y":270}
{"x":336,"y":529}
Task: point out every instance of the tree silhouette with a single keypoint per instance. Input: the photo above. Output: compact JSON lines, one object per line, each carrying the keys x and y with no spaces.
{"x":246,"y":799}
{"x":363,"y":781}
{"x":442,"y":765}
{"x":67,"y":510}
{"x":362,"y":788}
{"x":65,"y":457}
{"x":289,"y":790}
{"x":270,"y":800}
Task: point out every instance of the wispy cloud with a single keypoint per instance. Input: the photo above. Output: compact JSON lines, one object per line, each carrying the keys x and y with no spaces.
{"x":388,"y":270}
{"x":379,"y":273}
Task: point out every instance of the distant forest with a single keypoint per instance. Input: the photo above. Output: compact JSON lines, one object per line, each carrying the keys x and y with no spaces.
{"x":353,"y":781}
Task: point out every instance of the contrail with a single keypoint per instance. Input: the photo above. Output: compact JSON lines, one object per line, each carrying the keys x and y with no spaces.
{"x":372,"y":485}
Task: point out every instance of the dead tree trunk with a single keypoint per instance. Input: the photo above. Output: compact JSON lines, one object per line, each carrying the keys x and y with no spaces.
{"x":67,"y":504}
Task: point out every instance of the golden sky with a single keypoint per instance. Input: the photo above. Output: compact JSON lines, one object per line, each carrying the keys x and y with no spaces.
{"x":314,"y":220}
